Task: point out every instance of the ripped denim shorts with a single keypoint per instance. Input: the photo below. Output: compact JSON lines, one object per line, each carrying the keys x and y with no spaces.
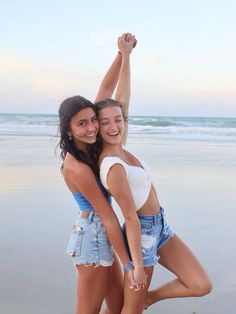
{"x":88,"y":243}
{"x":155,"y":232}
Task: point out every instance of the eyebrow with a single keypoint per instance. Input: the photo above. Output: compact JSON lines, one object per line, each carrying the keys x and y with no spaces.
{"x":118,"y":116}
{"x":84,"y":120}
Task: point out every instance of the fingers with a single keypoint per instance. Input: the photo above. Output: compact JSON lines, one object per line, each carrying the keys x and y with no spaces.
{"x":138,"y":283}
{"x":134,"y":41}
{"x":127,"y":41}
{"x":142,"y":280}
{"x":133,"y":284}
{"x":127,"y":36}
{"x":136,"y":286}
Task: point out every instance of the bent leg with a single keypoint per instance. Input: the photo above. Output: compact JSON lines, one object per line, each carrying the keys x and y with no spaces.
{"x":192,"y":279}
{"x":92,"y":285}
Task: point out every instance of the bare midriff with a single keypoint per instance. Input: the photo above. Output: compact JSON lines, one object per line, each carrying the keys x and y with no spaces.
{"x":85,"y":213}
{"x":151,"y":206}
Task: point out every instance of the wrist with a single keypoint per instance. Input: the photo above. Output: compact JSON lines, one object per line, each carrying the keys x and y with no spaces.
{"x":128,"y":266}
{"x":138,"y":267}
{"x":125,"y":54}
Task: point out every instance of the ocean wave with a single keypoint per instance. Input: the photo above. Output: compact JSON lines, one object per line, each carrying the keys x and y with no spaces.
{"x":192,"y":128}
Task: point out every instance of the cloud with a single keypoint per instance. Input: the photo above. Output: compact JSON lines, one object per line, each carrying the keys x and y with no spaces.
{"x":156,"y":58}
{"x":26,"y":77}
{"x":102,"y":39}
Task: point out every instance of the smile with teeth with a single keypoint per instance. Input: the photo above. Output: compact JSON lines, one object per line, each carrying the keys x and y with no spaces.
{"x":91,"y":135}
{"x":113,"y":133}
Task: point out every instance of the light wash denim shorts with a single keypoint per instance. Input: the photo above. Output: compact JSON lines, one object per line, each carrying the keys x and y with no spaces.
{"x":155,"y":232}
{"x":88,"y":243}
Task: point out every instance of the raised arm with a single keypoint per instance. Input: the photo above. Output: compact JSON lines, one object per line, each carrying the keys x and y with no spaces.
{"x":120,"y":190}
{"x":125,"y":45}
{"x":110,"y":80}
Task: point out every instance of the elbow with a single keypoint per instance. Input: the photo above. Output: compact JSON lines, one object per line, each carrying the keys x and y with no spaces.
{"x":133,"y":222}
{"x":110,"y":221}
{"x":110,"y":225}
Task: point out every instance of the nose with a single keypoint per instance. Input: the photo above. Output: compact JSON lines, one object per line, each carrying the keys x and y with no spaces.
{"x":113,"y":126}
{"x":92,"y":126}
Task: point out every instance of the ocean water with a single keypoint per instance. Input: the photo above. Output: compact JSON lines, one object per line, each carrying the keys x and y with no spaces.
{"x":173,"y":128}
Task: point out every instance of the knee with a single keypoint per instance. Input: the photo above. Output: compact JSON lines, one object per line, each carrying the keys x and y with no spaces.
{"x":111,"y":311}
{"x":133,"y":307}
{"x":105,"y":311}
{"x":202,"y":288}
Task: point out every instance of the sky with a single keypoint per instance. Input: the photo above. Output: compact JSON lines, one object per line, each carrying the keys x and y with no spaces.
{"x":184,"y":63}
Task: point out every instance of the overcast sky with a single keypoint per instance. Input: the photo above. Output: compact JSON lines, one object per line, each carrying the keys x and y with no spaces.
{"x":184,"y":63}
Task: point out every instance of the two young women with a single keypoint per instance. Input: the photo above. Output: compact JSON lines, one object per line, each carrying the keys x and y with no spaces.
{"x":99,"y":275}
{"x":148,"y":235}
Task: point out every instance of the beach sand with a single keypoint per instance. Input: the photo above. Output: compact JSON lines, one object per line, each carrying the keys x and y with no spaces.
{"x":196,"y":186}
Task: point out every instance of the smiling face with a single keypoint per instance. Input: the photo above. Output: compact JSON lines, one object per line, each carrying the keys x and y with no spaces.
{"x":111,"y":125}
{"x":84,"y":127}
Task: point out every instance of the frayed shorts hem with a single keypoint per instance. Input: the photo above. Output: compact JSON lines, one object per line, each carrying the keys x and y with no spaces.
{"x":156,"y":259}
{"x":167,"y":240}
{"x":93,"y":264}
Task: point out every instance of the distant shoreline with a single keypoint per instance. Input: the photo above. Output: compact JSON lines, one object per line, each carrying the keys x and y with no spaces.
{"x":147,"y":127}
{"x":132,"y":115}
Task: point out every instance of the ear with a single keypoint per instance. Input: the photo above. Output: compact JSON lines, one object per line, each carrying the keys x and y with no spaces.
{"x":70,"y":136}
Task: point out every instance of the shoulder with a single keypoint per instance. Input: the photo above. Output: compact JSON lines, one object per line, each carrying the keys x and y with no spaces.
{"x":74,"y":168}
{"x":109,"y":161}
{"x":110,"y":164}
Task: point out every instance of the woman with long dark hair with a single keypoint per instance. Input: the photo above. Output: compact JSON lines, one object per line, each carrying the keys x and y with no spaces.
{"x":99,"y":275}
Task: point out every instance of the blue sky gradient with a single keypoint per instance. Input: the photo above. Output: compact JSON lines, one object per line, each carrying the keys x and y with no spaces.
{"x":184,"y":63}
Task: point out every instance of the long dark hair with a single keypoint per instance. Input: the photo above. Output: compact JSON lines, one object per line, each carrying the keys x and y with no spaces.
{"x":68,"y":108}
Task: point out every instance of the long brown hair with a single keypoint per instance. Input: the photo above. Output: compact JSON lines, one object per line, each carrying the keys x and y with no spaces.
{"x":68,"y":108}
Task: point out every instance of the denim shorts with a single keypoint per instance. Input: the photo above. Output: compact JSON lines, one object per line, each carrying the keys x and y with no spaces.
{"x":88,"y":243}
{"x":155,"y":232}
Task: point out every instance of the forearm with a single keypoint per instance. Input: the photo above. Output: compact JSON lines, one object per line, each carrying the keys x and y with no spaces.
{"x":85,"y":181}
{"x":110,"y":79}
{"x":116,"y":238}
{"x":133,"y":232}
{"x":123,"y":89}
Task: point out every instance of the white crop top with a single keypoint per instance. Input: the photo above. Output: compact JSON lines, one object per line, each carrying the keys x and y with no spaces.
{"x":138,"y":177}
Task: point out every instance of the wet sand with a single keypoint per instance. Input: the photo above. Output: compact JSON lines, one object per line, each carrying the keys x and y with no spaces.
{"x":196,"y":186}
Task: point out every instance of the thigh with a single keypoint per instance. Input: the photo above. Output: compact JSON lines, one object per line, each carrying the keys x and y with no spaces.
{"x":115,"y":294}
{"x":178,"y":258}
{"x":92,"y":287}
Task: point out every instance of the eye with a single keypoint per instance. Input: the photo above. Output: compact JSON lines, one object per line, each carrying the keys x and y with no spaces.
{"x":95,"y":119}
{"x":82,"y":123}
{"x":103,"y":121}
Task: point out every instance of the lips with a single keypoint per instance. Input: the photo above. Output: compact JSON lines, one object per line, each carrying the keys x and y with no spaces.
{"x":91,"y":135}
{"x":114,"y":133}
